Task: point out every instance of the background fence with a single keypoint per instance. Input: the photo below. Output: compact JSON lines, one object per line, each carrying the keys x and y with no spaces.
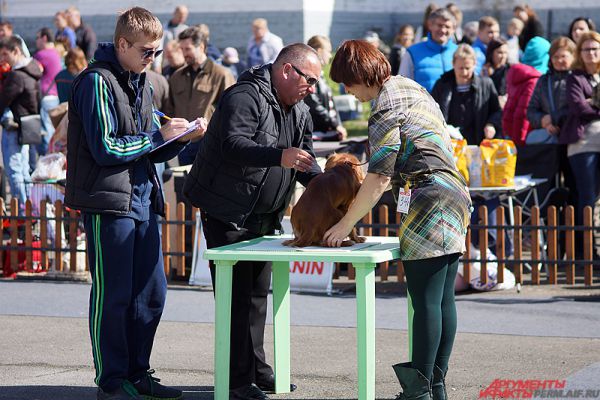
{"x":542,"y":250}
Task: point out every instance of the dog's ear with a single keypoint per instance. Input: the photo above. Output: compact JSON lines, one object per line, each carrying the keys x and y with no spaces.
{"x":340,"y":158}
{"x":359,"y":172}
{"x":332,"y":161}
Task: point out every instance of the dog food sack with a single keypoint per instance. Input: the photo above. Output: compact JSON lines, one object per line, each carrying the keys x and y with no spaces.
{"x":460,"y":157}
{"x":499,"y":161}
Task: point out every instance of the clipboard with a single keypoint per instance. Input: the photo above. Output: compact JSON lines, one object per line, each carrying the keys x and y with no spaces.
{"x":190,"y":129}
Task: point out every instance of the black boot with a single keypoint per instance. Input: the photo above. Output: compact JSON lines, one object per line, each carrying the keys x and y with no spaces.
{"x":414,"y":384}
{"x":438,"y":384}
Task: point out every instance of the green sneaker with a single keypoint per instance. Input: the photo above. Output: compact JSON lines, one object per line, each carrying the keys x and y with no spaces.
{"x":149,"y":389}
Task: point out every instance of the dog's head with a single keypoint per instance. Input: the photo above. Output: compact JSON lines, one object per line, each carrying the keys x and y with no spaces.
{"x":346,"y":158}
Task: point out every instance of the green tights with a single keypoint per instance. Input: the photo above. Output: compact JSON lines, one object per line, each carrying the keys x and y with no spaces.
{"x":431,"y":286}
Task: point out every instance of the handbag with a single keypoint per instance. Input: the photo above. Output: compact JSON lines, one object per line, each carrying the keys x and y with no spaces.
{"x":30,"y":129}
{"x":540,"y":136}
{"x":30,"y":126}
{"x":57,"y":113}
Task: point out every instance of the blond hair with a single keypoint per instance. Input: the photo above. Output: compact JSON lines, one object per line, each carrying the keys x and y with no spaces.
{"x":318,"y":42}
{"x":578,"y":63}
{"x":516,"y":22}
{"x":462,"y":52}
{"x":260,"y":23}
{"x":453,"y":8}
{"x":137,"y":23}
{"x":73,"y":10}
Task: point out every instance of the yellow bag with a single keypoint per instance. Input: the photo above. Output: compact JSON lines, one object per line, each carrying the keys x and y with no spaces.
{"x":499,"y":161}
{"x":460,"y":157}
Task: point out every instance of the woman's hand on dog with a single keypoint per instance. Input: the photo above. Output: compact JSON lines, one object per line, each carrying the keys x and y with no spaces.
{"x":337,"y":234}
{"x":297,"y":158}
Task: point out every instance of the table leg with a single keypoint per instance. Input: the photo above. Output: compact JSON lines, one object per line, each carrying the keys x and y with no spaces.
{"x":365,"y":322}
{"x":281,"y":325}
{"x":511,"y":211}
{"x":224,"y":271}
{"x":511,"y":220}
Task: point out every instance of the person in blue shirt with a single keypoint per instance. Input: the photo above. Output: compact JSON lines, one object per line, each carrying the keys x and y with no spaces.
{"x":63,"y":30}
{"x":114,"y":139}
{"x":489,"y":30}
{"x":426,"y":61}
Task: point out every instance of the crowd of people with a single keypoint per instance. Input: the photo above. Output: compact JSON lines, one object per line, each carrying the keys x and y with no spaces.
{"x":253,"y":123}
{"x":515,"y":84}
{"x":188,"y":74}
{"x":518,"y":84}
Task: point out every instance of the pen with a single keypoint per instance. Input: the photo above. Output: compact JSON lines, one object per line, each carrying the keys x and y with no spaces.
{"x":161,"y":114}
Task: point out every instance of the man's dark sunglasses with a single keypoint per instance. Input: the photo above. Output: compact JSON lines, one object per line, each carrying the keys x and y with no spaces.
{"x":309,"y":79}
{"x":150,"y":53}
{"x":146,"y":53}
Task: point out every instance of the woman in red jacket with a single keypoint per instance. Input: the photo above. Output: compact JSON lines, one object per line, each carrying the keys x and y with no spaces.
{"x":520,"y":83}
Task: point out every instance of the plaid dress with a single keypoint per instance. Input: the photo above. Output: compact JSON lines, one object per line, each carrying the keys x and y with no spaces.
{"x":409,"y":142}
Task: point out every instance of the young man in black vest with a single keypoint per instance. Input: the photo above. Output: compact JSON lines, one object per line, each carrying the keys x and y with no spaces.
{"x":113,"y":143}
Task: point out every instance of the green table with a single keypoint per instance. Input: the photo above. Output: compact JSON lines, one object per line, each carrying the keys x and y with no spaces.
{"x":364,"y":261}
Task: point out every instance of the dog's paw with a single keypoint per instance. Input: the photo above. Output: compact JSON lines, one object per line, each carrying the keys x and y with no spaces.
{"x":360,"y":239}
{"x":290,"y":243}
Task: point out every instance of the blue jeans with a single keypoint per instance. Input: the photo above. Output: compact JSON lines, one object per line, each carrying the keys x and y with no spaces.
{"x":47,"y":104}
{"x":16,"y":166}
{"x":586,"y":169}
{"x":491,"y":204}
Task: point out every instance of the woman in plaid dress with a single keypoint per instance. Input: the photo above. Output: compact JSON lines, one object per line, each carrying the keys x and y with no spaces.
{"x":410,"y":148}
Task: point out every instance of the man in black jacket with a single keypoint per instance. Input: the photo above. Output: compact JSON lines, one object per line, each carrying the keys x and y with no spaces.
{"x":85,"y":35}
{"x":322,"y":109}
{"x":20,"y":94}
{"x":257,"y":145}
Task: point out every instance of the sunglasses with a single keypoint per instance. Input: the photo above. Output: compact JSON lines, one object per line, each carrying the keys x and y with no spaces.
{"x":309,"y":79}
{"x":590,"y":49}
{"x":151,"y":53}
{"x":146,"y":53}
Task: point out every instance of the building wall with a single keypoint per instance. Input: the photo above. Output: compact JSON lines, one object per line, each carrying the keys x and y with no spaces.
{"x":293,"y":20}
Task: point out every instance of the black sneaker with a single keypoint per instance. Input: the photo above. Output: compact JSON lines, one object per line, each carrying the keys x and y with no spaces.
{"x":248,"y":392}
{"x":149,"y":389}
{"x":125,"y":392}
{"x":267,"y":384}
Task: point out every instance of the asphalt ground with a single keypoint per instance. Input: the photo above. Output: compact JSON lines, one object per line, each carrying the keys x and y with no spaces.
{"x":541,"y":333}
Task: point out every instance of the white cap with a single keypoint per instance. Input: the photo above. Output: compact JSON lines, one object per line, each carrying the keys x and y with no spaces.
{"x":371,"y":37}
{"x":230,"y":55}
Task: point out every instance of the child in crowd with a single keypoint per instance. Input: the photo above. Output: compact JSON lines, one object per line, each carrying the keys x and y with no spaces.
{"x":513,"y":30}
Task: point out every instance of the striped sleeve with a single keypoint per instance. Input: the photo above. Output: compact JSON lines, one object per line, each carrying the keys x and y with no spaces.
{"x":95,"y":105}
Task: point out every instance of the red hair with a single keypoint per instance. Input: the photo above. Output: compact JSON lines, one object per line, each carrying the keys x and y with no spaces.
{"x":359,"y":62}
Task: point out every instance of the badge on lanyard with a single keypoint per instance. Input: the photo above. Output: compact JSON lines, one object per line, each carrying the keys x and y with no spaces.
{"x":403,"y":199}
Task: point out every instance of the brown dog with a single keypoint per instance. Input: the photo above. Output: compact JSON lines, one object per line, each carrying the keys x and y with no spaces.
{"x":325,"y":201}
